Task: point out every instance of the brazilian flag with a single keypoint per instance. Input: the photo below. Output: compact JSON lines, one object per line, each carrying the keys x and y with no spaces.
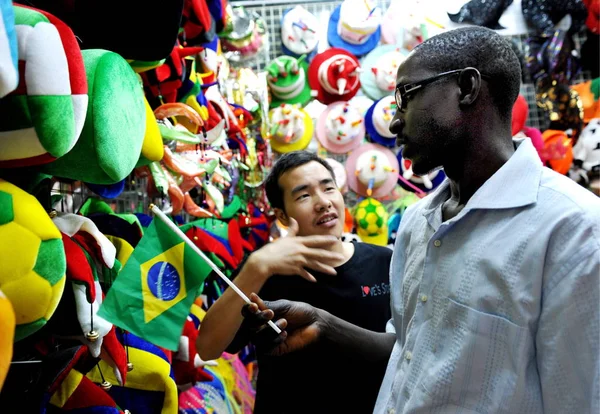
{"x":152,"y":295}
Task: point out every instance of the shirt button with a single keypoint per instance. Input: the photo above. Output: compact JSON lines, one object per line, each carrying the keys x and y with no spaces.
{"x":391,"y":411}
{"x":408,"y":355}
{"x":437,"y":243}
{"x":424,"y":298}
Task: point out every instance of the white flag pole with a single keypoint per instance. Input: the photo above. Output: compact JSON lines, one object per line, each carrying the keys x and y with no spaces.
{"x":200,"y":253}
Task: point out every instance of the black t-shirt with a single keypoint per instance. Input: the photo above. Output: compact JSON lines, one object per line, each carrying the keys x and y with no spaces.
{"x":319,"y":379}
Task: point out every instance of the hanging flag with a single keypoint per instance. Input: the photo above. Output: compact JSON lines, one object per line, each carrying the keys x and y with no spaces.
{"x":153,"y":293}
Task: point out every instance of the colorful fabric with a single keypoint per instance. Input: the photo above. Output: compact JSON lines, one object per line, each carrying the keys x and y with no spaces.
{"x":150,"y":386}
{"x":9,"y":74}
{"x":112,"y":137}
{"x":7,"y":327}
{"x":43,"y":118}
{"x":154,"y":291}
{"x":33,"y":268}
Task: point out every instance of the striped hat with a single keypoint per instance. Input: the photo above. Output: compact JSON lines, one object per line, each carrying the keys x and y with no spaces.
{"x":43,"y":118}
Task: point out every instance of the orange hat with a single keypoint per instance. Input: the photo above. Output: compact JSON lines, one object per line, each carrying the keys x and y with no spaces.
{"x":558,"y":150}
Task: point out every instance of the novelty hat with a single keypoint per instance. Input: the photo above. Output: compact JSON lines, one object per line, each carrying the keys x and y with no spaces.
{"x":378,"y":119}
{"x":371,"y":222}
{"x":362,"y":102}
{"x":339,"y":172}
{"x":354,"y":26}
{"x":299,"y":33}
{"x":43,"y":118}
{"x":245,"y":37}
{"x":415,"y":183}
{"x":372,"y":170}
{"x":9,"y":74}
{"x":334,"y":75}
{"x":380,"y":67}
{"x":340,"y":128}
{"x":287,"y":81}
{"x":520,"y":111}
{"x":113,"y":133}
{"x":291,"y":128}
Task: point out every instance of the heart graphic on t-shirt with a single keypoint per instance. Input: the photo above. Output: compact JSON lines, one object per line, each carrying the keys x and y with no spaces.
{"x":366,"y":289}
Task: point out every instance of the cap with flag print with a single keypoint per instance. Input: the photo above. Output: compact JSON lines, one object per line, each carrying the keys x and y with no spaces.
{"x":153,"y":293}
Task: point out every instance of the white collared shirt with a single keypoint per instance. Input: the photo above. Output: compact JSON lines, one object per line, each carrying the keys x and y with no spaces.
{"x":497,"y":310}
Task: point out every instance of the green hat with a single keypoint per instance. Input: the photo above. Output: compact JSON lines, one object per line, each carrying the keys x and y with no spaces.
{"x":111,"y":141}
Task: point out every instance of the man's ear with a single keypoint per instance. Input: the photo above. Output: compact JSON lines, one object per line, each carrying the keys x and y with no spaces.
{"x":469,"y":81}
{"x":281,"y":216}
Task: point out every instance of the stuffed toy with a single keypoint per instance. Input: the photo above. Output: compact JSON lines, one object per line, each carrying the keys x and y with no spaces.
{"x":7,"y":327}
{"x":112,"y":137}
{"x":43,"y":118}
{"x":9,"y":74}
{"x":33,"y":259}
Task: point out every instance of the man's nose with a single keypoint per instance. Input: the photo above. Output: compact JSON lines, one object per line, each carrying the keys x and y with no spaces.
{"x":397,"y":124}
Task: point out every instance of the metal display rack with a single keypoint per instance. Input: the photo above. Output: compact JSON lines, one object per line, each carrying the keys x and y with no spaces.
{"x":272,"y":11}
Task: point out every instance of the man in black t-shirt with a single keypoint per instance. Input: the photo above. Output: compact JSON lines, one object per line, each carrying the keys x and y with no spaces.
{"x":312,"y":265}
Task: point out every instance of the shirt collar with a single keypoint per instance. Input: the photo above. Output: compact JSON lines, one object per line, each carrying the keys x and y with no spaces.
{"x":515,"y":184}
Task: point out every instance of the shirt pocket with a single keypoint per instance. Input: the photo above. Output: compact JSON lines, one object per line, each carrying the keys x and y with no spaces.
{"x":476,"y":360}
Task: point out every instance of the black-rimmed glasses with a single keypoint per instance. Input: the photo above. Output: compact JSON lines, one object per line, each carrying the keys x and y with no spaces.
{"x":403,"y":90}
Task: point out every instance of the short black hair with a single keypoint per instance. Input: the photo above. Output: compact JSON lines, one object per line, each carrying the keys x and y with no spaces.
{"x":483,"y":49}
{"x":287,"y":162}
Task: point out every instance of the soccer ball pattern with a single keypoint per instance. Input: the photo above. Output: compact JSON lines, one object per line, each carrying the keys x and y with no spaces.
{"x":370,"y":216}
{"x":32,"y":254}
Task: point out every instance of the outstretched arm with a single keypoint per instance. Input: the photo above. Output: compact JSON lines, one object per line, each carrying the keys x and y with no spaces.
{"x":305,"y":324}
{"x":287,"y":256}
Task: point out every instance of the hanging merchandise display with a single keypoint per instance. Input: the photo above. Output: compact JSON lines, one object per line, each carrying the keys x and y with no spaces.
{"x":378,"y":77}
{"x":299,"y":33}
{"x":288,"y":81}
{"x":354,"y":26}
{"x":372,"y":171}
{"x":186,"y":109}
{"x":340,"y":128}
{"x":378,"y":119}
{"x":334,"y":74}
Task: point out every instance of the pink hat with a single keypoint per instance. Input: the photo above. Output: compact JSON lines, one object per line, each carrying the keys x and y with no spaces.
{"x":339,"y":172}
{"x":340,"y":128}
{"x":334,"y":74}
{"x":372,"y":171}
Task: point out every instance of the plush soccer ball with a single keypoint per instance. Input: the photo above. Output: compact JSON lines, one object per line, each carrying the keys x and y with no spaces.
{"x":32,"y":274}
{"x":370,"y":216}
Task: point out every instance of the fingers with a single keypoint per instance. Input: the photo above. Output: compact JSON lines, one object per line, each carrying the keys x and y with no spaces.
{"x":266,"y":338}
{"x":258,"y":301}
{"x":320,"y":267}
{"x":292,"y":228}
{"x":318,"y":241}
{"x":306,"y":275}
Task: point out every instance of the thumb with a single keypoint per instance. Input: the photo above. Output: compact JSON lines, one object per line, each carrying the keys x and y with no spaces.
{"x":292,"y":228}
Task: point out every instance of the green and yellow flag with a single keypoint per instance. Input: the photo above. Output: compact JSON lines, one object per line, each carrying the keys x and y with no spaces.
{"x":152,"y":295}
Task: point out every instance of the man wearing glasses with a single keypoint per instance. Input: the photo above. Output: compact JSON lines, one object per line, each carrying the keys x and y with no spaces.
{"x":495,"y":276}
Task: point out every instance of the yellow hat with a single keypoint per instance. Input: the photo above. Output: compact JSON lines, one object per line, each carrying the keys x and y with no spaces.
{"x":290,"y":128}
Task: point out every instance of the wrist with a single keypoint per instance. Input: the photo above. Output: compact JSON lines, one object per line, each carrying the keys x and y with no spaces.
{"x":255,"y":266}
{"x":327,"y":325}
